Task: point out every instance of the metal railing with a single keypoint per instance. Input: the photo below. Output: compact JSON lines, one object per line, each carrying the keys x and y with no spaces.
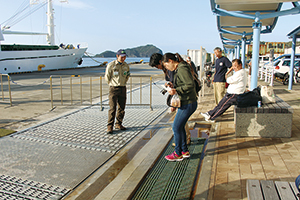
{"x":266,"y":74}
{"x":75,"y":89}
{"x":5,"y":89}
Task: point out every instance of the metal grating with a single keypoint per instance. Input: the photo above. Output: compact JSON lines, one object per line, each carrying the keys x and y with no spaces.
{"x":172,"y":180}
{"x":86,"y":128}
{"x":20,"y":189}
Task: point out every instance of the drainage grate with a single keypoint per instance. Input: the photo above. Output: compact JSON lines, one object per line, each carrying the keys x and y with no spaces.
{"x":20,"y":189}
{"x":172,"y":180}
{"x":86,"y":129}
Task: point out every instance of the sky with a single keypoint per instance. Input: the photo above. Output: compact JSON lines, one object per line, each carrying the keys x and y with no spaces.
{"x":171,"y":25}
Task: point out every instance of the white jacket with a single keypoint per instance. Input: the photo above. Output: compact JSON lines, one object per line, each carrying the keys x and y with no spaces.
{"x":237,"y":82}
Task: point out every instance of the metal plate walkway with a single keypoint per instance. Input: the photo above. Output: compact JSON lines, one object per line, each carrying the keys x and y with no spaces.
{"x":49,"y":160}
{"x":173,"y":180}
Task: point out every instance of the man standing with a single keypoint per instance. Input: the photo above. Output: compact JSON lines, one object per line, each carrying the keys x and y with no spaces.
{"x":222,"y":64}
{"x":237,"y":85}
{"x":189,"y":60}
{"x":117,"y":74}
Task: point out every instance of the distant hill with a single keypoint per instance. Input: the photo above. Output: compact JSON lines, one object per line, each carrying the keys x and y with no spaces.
{"x":141,"y":51}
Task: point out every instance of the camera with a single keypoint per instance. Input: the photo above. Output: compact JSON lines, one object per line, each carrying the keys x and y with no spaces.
{"x":163,"y":91}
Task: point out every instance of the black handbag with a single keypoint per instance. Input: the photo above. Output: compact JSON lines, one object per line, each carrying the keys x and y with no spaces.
{"x":249,"y":98}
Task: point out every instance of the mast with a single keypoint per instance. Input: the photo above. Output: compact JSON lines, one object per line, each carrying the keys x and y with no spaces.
{"x":50,"y":21}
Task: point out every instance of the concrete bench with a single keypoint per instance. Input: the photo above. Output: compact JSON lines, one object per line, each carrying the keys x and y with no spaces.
{"x":270,"y":190}
{"x":270,"y":120}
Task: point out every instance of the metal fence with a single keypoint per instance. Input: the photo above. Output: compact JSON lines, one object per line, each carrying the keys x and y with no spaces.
{"x":90,"y":90}
{"x":5,"y":89}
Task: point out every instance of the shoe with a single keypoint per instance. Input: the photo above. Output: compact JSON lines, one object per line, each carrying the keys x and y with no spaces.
{"x":109,"y":129}
{"x":186,"y":154}
{"x":120,"y":126}
{"x":206,"y":116}
{"x":174,"y":157}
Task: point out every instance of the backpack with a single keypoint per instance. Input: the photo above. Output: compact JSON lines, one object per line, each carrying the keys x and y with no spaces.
{"x":248,"y":99}
{"x":197,"y":82}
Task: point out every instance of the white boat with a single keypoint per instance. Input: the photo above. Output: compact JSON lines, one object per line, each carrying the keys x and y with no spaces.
{"x":16,"y":58}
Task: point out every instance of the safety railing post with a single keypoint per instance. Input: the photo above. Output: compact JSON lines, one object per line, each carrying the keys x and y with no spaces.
{"x":61,"y":92}
{"x":141,"y":95}
{"x":71,"y":90}
{"x":2,"y":88}
{"x":151,"y":92}
{"x":101,"y":92}
{"x":91,"y":96}
{"x":130,"y":90}
{"x":9,"y":91}
{"x":51,"y":92}
{"x":80,"y":90}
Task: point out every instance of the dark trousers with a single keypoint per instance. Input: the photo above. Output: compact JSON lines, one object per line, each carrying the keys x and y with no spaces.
{"x":117,"y":97}
{"x":223,"y":105}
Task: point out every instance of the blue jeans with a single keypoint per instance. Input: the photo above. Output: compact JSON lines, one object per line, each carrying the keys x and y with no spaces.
{"x":182,"y":116}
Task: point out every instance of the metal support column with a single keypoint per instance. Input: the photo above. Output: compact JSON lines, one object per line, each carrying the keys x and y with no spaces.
{"x":291,"y":79}
{"x":231,"y":54}
{"x":238,"y":51}
{"x":244,"y":51}
{"x":255,"y":53}
{"x":235,"y":52}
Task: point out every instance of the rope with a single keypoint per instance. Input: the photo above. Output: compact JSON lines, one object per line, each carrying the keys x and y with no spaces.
{"x":21,"y":84}
{"x":91,"y":57}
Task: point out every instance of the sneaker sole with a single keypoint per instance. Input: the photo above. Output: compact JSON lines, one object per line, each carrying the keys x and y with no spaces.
{"x":174,"y":159}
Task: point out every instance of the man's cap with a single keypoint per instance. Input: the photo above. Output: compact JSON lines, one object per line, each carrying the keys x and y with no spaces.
{"x":121,"y":52}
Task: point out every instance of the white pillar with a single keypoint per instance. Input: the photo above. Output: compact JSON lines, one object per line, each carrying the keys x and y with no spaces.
{"x":255,"y":53}
{"x":291,"y":79}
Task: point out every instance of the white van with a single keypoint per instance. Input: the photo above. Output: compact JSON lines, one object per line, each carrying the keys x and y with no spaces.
{"x":263,"y":60}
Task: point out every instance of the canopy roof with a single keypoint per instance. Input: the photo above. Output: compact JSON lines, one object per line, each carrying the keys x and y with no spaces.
{"x":235,"y":18}
{"x":295,"y":32}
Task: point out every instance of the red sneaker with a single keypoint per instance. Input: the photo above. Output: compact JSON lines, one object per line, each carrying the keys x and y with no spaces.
{"x":186,"y":154}
{"x":174,"y":157}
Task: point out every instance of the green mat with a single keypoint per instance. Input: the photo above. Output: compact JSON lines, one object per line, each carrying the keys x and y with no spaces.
{"x":172,"y":180}
{"x":4,"y":132}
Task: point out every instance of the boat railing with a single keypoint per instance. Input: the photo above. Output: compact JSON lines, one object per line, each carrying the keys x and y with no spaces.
{"x":92,"y":90}
{"x":5,"y":89}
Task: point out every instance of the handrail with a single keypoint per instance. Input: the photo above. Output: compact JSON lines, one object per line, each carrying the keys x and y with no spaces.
{"x":93,"y":86}
{"x":8,"y":88}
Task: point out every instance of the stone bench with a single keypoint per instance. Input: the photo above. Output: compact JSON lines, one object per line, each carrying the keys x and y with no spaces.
{"x":270,"y":120}
{"x":270,"y":190}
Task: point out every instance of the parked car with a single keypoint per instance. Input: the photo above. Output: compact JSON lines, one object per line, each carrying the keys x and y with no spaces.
{"x":262,"y":60}
{"x":282,"y":69}
{"x":281,"y":57}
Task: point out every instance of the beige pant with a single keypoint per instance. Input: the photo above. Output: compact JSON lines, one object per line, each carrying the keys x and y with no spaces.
{"x":219,"y":91}
{"x":188,"y":133}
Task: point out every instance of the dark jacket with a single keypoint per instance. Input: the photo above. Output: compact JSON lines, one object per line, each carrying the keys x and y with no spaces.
{"x":184,"y":84}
